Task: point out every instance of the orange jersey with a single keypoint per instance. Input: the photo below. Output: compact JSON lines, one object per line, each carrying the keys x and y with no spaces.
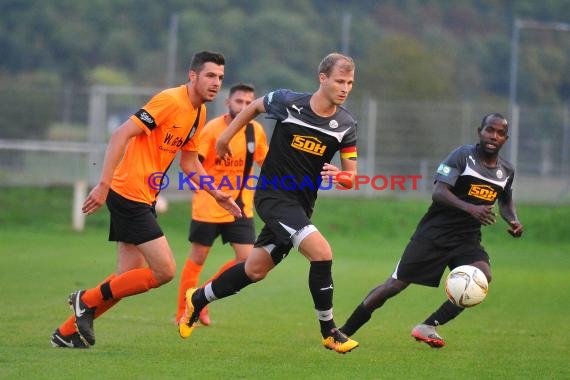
{"x":167,"y":121}
{"x":225,"y":173}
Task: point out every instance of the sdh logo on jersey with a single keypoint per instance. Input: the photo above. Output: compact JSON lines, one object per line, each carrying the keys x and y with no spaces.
{"x":308,"y":144}
{"x":484,"y":192}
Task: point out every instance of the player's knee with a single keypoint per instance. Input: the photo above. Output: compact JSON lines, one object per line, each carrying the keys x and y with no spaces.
{"x":256,"y":275}
{"x":321,"y":254}
{"x":394,"y":286}
{"x":392,"y":290}
{"x":163,"y":279}
{"x":256,"y":272}
{"x":165,"y":275}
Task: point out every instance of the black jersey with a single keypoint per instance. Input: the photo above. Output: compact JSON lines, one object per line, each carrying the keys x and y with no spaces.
{"x":302,"y":142}
{"x":471,"y":182}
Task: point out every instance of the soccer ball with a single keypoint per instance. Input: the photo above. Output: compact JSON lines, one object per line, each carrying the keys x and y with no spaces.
{"x":466,"y":286}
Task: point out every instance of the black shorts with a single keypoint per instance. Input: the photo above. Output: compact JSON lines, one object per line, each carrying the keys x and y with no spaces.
{"x":242,"y":231}
{"x":283,"y":219}
{"x":131,"y":222}
{"x":424,"y":262}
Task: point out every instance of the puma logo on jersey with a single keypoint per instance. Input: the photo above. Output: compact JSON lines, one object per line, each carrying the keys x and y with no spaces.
{"x":297,"y":108}
{"x":308,"y":144}
{"x":484,"y":192}
{"x":472,"y":159}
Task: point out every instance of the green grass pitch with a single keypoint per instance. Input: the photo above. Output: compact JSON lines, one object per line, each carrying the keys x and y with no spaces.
{"x":270,"y":331}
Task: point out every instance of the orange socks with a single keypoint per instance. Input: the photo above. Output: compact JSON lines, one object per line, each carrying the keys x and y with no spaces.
{"x":188,"y":279}
{"x":68,"y":327}
{"x":127,"y":284}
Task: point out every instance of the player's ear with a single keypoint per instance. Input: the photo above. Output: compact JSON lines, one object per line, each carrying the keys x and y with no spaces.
{"x":191,"y":75}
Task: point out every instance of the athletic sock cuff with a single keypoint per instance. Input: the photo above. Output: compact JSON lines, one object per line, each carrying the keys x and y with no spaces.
{"x":321,"y":266}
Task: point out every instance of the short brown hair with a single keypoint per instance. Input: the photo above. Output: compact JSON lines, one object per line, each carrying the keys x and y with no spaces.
{"x":332,"y":59}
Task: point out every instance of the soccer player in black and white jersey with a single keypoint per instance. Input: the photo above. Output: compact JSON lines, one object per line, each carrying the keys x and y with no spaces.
{"x":467,"y":184}
{"x":309,"y":130}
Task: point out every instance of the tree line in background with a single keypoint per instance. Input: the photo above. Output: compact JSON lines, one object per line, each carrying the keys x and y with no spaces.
{"x":405,"y":50}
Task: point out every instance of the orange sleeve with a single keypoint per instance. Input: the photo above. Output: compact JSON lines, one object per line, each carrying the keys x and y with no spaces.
{"x":156,"y":112}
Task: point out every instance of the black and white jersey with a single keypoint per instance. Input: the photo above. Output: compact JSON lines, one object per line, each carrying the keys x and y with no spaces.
{"x":471,"y":181}
{"x":302,"y":142}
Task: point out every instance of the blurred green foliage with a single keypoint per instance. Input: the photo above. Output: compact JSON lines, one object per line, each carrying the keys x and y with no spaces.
{"x":404,"y":49}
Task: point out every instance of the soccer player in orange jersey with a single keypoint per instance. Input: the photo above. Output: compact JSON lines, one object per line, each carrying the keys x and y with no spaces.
{"x":137,"y":155}
{"x":210,"y":220}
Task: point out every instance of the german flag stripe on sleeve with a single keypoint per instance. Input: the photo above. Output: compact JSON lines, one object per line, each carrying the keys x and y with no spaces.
{"x":348,"y":153}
